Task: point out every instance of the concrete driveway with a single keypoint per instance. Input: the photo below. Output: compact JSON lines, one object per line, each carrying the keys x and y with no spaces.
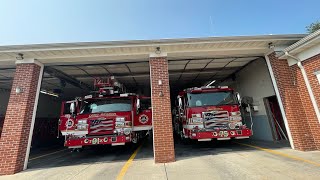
{"x":248,"y":160}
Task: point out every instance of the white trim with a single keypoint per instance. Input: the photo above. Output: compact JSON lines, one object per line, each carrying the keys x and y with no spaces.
{"x":29,"y":61}
{"x":33,"y":114}
{"x":117,"y":144}
{"x":223,"y":139}
{"x":305,"y":54}
{"x":209,"y":139}
{"x":242,"y":137}
{"x":306,"y":40}
{"x":307,"y":82}
{"x":190,"y":127}
{"x":154,"y":153}
{"x":143,"y":43}
{"x":142,"y":128}
{"x":317,"y":74}
{"x":162,"y":54}
{"x":76,"y":133}
{"x":312,"y":97}
{"x":276,"y":89}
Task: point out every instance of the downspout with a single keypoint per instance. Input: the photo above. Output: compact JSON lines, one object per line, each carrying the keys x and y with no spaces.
{"x":307,"y":82}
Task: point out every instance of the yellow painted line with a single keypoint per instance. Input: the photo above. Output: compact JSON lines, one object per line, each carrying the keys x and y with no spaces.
{"x":46,"y":154}
{"x":128,"y":163}
{"x":282,"y":154}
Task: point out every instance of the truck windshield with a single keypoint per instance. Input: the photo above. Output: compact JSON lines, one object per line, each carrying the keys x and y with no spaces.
{"x":212,"y":99}
{"x":106,"y":105}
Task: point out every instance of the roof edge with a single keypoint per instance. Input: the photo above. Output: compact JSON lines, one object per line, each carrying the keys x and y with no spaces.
{"x":303,"y":41}
{"x":155,"y":41}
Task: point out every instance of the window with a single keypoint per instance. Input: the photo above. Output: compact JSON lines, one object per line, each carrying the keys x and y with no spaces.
{"x":211,"y":99}
{"x":106,"y":105}
{"x":145,"y":104}
{"x":66,"y":109}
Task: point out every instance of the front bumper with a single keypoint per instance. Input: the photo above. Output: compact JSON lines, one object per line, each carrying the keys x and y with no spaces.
{"x":87,"y":141}
{"x":219,"y":134}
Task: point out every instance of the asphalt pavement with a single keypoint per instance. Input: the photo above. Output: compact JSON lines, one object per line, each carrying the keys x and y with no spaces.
{"x":205,"y":160}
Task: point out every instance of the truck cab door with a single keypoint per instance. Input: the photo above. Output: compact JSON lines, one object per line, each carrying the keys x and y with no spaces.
{"x":143,"y":116}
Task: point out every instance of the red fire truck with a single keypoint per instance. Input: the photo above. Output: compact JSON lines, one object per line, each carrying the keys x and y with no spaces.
{"x":107,"y":116}
{"x":209,"y":113}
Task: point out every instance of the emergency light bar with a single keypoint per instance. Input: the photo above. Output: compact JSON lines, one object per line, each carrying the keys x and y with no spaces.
{"x":205,"y":87}
{"x":127,"y":94}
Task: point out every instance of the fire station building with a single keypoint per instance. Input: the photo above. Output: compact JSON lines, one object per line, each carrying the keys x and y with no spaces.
{"x":280,"y":72}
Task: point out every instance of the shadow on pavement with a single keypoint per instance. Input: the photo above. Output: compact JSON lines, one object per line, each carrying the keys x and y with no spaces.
{"x":195,"y":148}
{"x":109,"y":154}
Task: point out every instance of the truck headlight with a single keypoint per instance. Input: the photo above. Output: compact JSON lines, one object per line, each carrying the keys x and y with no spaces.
{"x":82,"y":127}
{"x":120,"y":119}
{"x":235,"y":118}
{"x":196,"y":120}
{"x":235,"y":113}
{"x":119,"y":124}
{"x":82,"y":121}
{"x":196,"y":115}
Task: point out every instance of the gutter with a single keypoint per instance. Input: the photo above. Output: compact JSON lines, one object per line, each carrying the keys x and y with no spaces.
{"x":302,"y":41}
{"x":152,"y":43}
{"x":307,"y":82}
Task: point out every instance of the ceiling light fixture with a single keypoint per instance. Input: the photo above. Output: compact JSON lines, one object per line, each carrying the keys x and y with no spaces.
{"x":158,"y":50}
{"x":19,"y":90}
{"x":20,"y":56}
{"x":271,"y":45}
{"x":210,"y":83}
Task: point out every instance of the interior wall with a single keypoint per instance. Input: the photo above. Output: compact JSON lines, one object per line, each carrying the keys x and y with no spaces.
{"x":254,"y":81}
{"x":45,"y":128}
{"x":48,"y":106}
{"x":4,"y":99}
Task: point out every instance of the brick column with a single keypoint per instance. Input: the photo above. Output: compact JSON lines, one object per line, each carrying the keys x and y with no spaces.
{"x":19,"y":120}
{"x":163,"y":144}
{"x":296,"y":102}
{"x":310,"y":65}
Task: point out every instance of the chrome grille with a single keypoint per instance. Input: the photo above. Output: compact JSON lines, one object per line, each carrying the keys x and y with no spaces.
{"x":215,"y":119}
{"x":101,"y":126}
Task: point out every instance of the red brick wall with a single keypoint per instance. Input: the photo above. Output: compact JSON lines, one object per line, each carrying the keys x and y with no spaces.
{"x":16,"y":128}
{"x":297,"y":103}
{"x":161,"y":111}
{"x":311,"y":65}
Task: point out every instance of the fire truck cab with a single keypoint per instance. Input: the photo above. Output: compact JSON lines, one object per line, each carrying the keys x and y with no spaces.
{"x":106,"y":117}
{"x":209,"y":113}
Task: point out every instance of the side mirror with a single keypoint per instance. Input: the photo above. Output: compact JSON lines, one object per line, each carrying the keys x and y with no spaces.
{"x":138,"y":103}
{"x":138,"y":106}
{"x":238,"y":97}
{"x":72,"y":108}
{"x":180,"y":102}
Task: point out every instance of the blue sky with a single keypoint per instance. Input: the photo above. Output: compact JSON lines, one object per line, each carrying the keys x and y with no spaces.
{"x":51,"y":21}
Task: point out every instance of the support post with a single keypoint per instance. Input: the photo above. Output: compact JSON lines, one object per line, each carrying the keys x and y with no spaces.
{"x":163,"y":144}
{"x":20,"y":116}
